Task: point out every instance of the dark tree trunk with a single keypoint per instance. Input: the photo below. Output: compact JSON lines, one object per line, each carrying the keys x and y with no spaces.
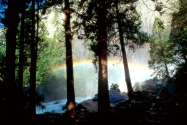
{"x":12,"y":18}
{"x":69,"y":66}
{"x":167,"y":71}
{"x":163,"y":55}
{"x":125,"y":62}
{"x":21,"y":53}
{"x":32,"y":103}
{"x":103,"y":94}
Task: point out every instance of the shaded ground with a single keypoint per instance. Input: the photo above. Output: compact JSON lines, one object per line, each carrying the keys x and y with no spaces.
{"x":143,"y":109}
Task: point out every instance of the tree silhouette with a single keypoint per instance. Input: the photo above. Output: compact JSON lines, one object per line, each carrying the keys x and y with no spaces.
{"x":125,"y":63}
{"x":103,"y":94}
{"x":32,"y":103}
{"x":69,"y":64}
{"x":11,"y":23}
{"x":91,"y":24}
{"x":21,"y":53}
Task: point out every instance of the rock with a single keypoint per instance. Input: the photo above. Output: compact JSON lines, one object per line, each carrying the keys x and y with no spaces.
{"x":114,"y":96}
{"x":91,"y":105}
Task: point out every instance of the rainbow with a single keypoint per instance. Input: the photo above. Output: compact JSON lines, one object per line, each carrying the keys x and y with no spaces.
{"x":88,"y":63}
{"x":138,"y":72}
{"x":75,"y":64}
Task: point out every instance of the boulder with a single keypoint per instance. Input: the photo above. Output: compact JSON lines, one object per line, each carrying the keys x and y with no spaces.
{"x":89,"y":105}
{"x":115,"y":98}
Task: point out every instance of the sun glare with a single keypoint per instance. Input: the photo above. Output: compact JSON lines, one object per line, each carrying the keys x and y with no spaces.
{"x":138,"y":73}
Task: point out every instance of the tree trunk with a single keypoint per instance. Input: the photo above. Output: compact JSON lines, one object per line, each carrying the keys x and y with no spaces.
{"x":69,"y":66}
{"x":32,"y":103}
{"x":125,"y":62}
{"x":12,"y":18}
{"x":167,"y":71}
{"x":21,"y":53}
{"x":103,"y":94}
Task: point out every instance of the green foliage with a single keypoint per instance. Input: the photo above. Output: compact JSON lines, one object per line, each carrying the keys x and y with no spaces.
{"x":26,"y":76}
{"x":158,"y":27}
{"x":169,"y":50}
{"x":160,"y":57}
{"x":179,"y":34}
{"x":51,"y":50}
{"x":160,"y":51}
{"x":2,"y":55}
{"x":50,"y":57}
{"x":85,"y":26}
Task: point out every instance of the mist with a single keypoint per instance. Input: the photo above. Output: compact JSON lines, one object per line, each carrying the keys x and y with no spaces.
{"x":86,"y":75}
